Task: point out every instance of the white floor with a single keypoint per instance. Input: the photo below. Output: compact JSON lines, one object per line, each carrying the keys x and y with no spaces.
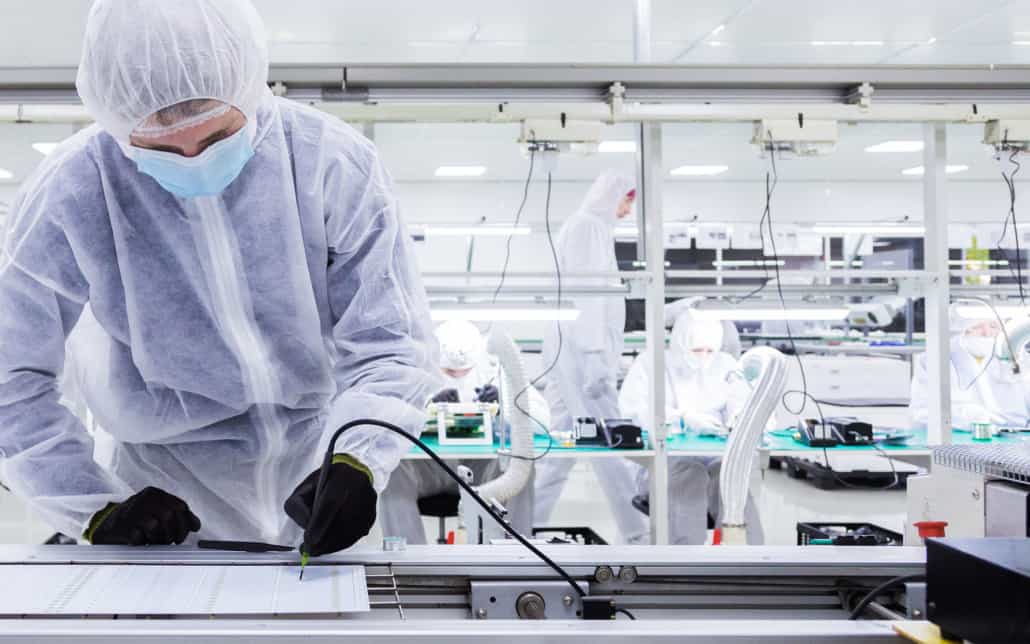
{"x":783,"y":502}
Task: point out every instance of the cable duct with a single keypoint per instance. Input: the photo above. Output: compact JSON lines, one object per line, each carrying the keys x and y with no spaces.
{"x":513,"y":382}
{"x":765,"y":370}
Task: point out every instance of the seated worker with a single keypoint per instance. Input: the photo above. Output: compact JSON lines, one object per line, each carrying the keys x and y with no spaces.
{"x":983,"y":388}
{"x":468,"y":376}
{"x":702,"y":392}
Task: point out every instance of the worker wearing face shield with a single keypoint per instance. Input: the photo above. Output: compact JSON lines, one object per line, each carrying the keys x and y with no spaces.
{"x":251,"y":288}
{"x":470,"y":375}
{"x":586,"y":352}
{"x":983,"y":388}
{"x":703,"y":393}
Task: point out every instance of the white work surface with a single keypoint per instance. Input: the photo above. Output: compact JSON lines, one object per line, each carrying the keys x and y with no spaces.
{"x":97,"y":589}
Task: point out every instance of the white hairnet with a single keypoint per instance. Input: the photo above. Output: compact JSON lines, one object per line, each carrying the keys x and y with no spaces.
{"x":461,"y":345}
{"x":604,"y":195}
{"x":142,"y":56}
{"x":691,"y":333}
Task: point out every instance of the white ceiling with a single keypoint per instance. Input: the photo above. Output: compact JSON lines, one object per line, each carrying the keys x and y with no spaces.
{"x":48,"y":32}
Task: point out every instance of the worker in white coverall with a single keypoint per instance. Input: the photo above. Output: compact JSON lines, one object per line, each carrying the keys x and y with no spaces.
{"x":585,"y":353}
{"x":983,"y":388}
{"x":469,"y":375}
{"x":703,"y":392}
{"x":251,"y":288}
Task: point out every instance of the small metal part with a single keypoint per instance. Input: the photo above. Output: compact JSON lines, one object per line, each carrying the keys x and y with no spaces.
{"x":531,"y":605}
{"x":567,"y":601}
{"x":603,"y":574}
{"x":628,"y":574}
{"x":481,"y":613}
{"x":395,"y":544}
{"x":982,"y":431}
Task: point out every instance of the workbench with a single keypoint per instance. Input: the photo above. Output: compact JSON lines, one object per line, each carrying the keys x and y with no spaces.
{"x":470,"y":594}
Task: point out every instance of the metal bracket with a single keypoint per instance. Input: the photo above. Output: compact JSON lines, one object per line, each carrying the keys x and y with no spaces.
{"x":915,"y":286}
{"x":524,"y":599}
{"x":862,"y":95}
{"x":616,"y":99}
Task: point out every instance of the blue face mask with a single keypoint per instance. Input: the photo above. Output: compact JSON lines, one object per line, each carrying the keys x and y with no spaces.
{"x":208,"y":173}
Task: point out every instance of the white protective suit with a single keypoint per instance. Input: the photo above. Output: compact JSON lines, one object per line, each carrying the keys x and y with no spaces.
{"x":699,"y":396}
{"x":981,"y":391}
{"x":231,"y":335}
{"x":583,"y":381}
{"x":461,"y":347}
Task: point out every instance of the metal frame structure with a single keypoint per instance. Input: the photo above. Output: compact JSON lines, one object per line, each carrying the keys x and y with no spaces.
{"x":649,"y":95}
{"x":429,"y":594}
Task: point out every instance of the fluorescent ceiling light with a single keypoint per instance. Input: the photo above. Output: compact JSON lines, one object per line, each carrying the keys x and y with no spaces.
{"x":932,"y":40}
{"x":506,"y":314}
{"x":973,"y":312}
{"x":718,"y":30}
{"x":485,"y":231}
{"x":5,"y":174}
{"x":918,"y":170}
{"x":847,"y":43}
{"x":981,"y":262}
{"x":1021,"y":43}
{"x":896,"y":146}
{"x":698,"y":170}
{"x":715,"y":43}
{"x":731,"y":263}
{"x":44,"y":148}
{"x":461,"y":171}
{"x":617,"y":146}
{"x":884,"y":230}
{"x":746,"y":314}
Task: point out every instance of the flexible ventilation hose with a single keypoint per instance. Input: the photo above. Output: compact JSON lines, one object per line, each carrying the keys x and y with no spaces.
{"x":765,"y":369}
{"x":513,"y":381}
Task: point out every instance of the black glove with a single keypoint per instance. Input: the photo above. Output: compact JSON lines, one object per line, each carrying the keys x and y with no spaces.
{"x":447,"y":396}
{"x":346,"y":507}
{"x":151,"y":517}
{"x":487,"y":394}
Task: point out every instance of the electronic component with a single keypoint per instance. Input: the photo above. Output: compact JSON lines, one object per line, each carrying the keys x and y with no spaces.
{"x":830,"y":432}
{"x":616,"y":433}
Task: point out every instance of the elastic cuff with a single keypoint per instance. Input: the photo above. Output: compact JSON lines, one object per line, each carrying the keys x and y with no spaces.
{"x":347,"y":459}
{"x":97,"y":519}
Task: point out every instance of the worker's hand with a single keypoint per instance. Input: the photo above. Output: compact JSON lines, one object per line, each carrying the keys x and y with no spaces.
{"x":701,"y":421}
{"x":447,"y":396}
{"x":346,"y":507}
{"x":487,"y":394}
{"x":151,"y":517}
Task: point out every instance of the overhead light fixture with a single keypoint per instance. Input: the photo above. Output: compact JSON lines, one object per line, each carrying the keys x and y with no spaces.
{"x":5,"y":174}
{"x":44,"y":148}
{"x":734,"y":263}
{"x":847,"y":43}
{"x":484,"y":231}
{"x":802,"y":313}
{"x":715,"y":43}
{"x":1021,"y":43}
{"x":503,"y":313}
{"x":718,"y":30}
{"x":461,"y":171}
{"x":698,"y":170}
{"x":973,"y":312}
{"x":617,"y":146}
{"x":896,"y":146}
{"x":883,"y":230}
{"x":918,"y":170}
{"x":932,"y":40}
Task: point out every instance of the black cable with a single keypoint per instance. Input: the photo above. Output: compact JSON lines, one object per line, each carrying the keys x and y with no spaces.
{"x":626,"y":613}
{"x":331,"y":451}
{"x":557,"y":324}
{"x":766,"y":213}
{"x":890,"y":583}
{"x":1010,"y":183}
{"x":518,"y":218}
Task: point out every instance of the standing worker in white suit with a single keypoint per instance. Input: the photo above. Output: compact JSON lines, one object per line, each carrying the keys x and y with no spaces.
{"x":703,"y":392}
{"x":585,"y":354}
